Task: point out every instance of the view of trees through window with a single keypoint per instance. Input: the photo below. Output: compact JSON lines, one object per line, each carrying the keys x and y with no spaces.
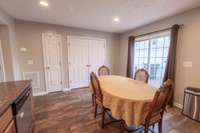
{"x":152,"y":54}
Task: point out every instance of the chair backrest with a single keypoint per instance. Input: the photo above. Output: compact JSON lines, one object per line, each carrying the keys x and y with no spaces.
{"x":96,"y":87}
{"x":170,"y":84}
{"x":160,"y":100}
{"x":141,"y":75}
{"x":103,"y":70}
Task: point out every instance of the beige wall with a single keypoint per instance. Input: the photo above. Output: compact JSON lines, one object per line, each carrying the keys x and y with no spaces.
{"x":7,"y":56}
{"x":29,"y":35}
{"x":8,"y":37}
{"x":187,"y":50}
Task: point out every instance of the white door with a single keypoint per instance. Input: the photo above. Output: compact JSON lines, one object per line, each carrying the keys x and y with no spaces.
{"x":78,"y":62}
{"x":96,"y":54}
{"x":52,"y":44}
{"x":85,"y":55}
{"x":2,"y":71}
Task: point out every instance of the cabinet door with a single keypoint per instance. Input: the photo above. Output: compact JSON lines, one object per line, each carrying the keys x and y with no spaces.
{"x":10,"y":128}
{"x":5,"y":119}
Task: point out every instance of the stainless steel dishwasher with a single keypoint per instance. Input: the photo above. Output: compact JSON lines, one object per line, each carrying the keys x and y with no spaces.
{"x":191,"y":103}
{"x":22,"y":109}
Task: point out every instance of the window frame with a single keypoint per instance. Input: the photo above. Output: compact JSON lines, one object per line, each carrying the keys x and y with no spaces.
{"x":149,"y":39}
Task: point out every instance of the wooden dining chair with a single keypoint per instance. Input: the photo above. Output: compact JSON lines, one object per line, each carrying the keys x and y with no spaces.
{"x":141,"y":75}
{"x":103,"y":70}
{"x":155,"y":109}
{"x":170,"y":83}
{"x":98,"y":97}
{"x":157,"y":106}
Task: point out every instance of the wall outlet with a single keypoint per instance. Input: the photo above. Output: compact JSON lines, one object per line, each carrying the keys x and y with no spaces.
{"x":23,"y":49}
{"x":187,"y":64}
{"x":30,"y":62}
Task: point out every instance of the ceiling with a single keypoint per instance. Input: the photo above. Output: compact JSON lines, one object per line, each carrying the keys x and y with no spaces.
{"x":97,"y":14}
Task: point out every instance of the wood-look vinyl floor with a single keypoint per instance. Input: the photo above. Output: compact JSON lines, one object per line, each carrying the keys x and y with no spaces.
{"x":72,"y":112}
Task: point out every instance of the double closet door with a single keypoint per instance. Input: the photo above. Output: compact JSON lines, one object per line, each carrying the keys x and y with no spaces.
{"x":85,"y":55}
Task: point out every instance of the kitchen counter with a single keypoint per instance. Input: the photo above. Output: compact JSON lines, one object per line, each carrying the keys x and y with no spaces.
{"x":9,"y":91}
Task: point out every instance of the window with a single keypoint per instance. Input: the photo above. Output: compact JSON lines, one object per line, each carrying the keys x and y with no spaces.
{"x":151,"y":53}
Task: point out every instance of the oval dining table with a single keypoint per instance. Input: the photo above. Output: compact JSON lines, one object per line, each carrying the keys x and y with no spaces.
{"x":126,"y":98}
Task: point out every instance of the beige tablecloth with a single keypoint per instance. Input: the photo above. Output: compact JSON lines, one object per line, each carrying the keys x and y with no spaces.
{"x":127,"y":99}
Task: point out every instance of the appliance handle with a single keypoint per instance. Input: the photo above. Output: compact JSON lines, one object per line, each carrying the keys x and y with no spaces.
{"x":21,"y":102}
{"x":21,"y":115}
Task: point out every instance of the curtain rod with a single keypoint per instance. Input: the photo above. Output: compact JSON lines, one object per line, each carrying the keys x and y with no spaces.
{"x":181,"y":25}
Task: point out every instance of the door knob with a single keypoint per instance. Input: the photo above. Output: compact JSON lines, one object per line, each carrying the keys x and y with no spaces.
{"x":21,"y":115}
{"x":88,"y":65}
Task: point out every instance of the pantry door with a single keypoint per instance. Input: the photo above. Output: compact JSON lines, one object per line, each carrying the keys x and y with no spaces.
{"x":85,"y":55}
{"x":52,"y":51}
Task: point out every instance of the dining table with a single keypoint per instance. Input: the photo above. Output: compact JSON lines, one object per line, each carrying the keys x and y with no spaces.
{"x":127,"y":99}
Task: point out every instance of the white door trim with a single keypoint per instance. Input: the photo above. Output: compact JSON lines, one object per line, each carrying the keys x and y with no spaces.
{"x":68,"y":50}
{"x":84,"y":37}
{"x":68,"y":45}
{"x":45,"y":62}
{"x":2,"y":63}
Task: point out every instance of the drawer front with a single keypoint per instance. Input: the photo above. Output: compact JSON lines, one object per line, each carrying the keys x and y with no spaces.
{"x":10,"y":128}
{"x":5,"y":119}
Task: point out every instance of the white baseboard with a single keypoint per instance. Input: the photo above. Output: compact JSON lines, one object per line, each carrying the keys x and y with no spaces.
{"x":45,"y":93}
{"x":66,"y":89}
{"x":40,"y":94}
{"x":178,"y":105}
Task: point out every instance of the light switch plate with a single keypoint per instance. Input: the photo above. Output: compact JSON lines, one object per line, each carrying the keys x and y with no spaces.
{"x":30,"y":62}
{"x":187,"y":64}
{"x":23,"y":49}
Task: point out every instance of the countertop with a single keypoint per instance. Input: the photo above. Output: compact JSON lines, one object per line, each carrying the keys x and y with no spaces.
{"x":9,"y":91}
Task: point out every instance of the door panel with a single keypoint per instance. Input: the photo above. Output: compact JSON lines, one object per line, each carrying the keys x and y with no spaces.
{"x":78,"y":61}
{"x":96,"y":54}
{"x":52,"y":61}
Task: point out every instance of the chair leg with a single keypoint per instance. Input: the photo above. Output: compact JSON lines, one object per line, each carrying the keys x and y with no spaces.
{"x":93,"y":100}
{"x":160,"y":126}
{"x":103,"y":118}
{"x":146,"y":128}
{"x":153,"y":127}
{"x":123,"y":126}
{"x":95,"y":110}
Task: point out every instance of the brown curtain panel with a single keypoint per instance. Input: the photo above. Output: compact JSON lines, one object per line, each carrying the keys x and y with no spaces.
{"x":129,"y":72}
{"x":170,"y":66}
